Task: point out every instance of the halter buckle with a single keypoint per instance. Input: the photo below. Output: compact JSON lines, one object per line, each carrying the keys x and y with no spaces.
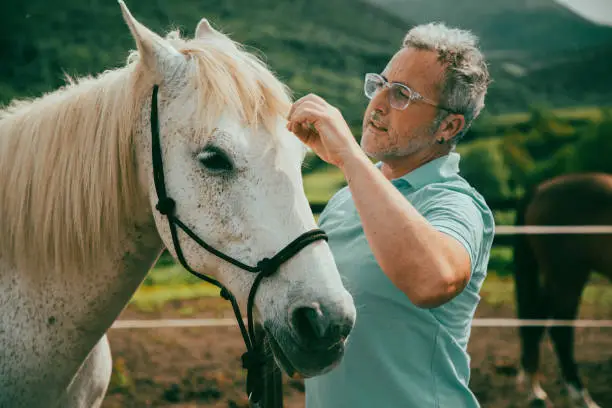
{"x":267,"y":267}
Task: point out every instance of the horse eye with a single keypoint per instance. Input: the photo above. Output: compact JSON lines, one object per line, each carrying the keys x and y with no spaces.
{"x":215,"y":160}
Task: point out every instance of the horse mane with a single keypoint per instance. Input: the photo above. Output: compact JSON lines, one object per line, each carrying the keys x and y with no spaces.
{"x":230,"y":79}
{"x":68,"y":158}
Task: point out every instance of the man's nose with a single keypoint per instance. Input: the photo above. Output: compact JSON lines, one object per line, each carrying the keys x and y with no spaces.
{"x":380,"y":103}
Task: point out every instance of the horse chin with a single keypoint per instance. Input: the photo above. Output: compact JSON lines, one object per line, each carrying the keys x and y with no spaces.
{"x":280,"y":357}
{"x":297,"y":361}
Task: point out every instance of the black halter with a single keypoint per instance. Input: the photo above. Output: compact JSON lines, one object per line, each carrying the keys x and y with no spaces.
{"x":254,"y":360}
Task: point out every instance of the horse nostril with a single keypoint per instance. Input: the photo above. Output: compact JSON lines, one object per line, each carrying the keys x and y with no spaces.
{"x":309,"y":322}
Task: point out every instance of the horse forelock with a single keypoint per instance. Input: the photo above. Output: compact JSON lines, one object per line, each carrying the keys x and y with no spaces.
{"x":229,"y":79}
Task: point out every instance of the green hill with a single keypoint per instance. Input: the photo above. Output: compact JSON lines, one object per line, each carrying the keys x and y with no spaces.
{"x":318,"y":46}
{"x":539,"y":51}
{"x":314,"y":45}
{"x":512,"y":27}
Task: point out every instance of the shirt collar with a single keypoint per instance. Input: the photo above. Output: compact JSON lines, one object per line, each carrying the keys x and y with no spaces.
{"x":439,"y":169}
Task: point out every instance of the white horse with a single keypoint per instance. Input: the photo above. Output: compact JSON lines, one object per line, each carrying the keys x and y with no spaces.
{"x":79,"y":231}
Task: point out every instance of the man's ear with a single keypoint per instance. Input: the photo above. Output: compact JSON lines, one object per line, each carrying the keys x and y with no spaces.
{"x":450,"y":127}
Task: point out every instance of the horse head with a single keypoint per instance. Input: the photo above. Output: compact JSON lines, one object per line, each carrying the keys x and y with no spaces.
{"x":234,"y":173}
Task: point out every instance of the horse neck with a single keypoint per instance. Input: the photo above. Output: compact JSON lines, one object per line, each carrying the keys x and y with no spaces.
{"x":71,"y":174}
{"x":102,"y":294}
{"x":81,"y":236}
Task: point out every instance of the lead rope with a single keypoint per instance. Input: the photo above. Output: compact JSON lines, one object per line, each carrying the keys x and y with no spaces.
{"x":264,"y":377}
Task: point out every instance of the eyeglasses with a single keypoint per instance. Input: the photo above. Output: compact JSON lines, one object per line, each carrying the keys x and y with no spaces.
{"x":400,"y":96}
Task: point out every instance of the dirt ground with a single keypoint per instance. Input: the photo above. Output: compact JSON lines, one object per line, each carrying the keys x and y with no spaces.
{"x":200,"y":367}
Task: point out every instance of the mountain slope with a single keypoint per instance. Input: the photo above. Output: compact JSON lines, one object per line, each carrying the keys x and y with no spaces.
{"x":539,"y":51}
{"x":502,"y":25}
{"x":314,"y":45}
{"x":318,"y":46}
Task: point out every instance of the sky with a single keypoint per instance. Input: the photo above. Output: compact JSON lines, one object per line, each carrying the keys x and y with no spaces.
{"x":597,"y":10}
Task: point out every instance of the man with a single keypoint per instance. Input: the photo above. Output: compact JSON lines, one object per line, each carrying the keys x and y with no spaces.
{"x":410,"y":236}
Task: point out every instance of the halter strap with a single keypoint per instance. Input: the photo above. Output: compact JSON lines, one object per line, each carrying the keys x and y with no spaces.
{"x":264,"y":382}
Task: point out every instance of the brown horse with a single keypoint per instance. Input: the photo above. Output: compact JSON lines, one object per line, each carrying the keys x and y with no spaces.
{"x":551,"y":271}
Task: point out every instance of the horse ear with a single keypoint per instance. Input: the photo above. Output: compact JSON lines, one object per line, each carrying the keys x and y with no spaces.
{"x":156,"y":54}
{"x":204,"y":29}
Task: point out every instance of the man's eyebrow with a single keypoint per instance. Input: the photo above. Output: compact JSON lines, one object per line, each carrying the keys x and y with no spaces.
{"x":394,"y":82}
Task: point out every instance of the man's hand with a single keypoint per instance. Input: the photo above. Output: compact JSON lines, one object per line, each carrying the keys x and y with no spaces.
{"x":322,"y":127}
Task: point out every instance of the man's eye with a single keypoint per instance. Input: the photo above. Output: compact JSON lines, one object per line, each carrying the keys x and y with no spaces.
{"x":400,"y":93}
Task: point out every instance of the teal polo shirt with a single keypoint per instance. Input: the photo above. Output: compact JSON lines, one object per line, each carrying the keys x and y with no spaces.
{"x":400,"y":355}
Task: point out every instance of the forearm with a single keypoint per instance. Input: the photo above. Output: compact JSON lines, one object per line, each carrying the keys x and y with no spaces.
{"x":416,"y":257}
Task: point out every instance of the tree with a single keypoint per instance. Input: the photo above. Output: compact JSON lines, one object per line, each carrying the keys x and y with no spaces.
{"x":594,"y":148}
{"x":482,"y":164}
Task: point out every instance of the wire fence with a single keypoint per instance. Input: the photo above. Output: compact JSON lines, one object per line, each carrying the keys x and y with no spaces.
{"x":500,"y":230}
{"x":552,"y":229}
{"x":479,"y":322}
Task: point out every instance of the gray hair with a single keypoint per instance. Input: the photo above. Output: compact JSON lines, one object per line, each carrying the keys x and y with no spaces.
{"x":467,"y":76}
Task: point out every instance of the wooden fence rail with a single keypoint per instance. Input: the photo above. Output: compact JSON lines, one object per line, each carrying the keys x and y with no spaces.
{"x":505,"y":234}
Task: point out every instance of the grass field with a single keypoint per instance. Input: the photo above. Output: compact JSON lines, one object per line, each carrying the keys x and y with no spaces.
{"x":173,"y":283}
{"x":582,"y":112}
{"x":321,"y":185}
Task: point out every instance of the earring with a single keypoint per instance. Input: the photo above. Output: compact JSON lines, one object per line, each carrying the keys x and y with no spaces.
{"x":440,"y":141}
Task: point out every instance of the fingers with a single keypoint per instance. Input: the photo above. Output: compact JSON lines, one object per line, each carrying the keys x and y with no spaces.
{"x":306,"y":122}
{"x":307,"y":114}
{"x":303,"y":133}
{"x":306,"y":117}
{"x":311,"y":99}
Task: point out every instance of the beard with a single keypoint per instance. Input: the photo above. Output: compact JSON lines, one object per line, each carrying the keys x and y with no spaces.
{"x":392,"y":145}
